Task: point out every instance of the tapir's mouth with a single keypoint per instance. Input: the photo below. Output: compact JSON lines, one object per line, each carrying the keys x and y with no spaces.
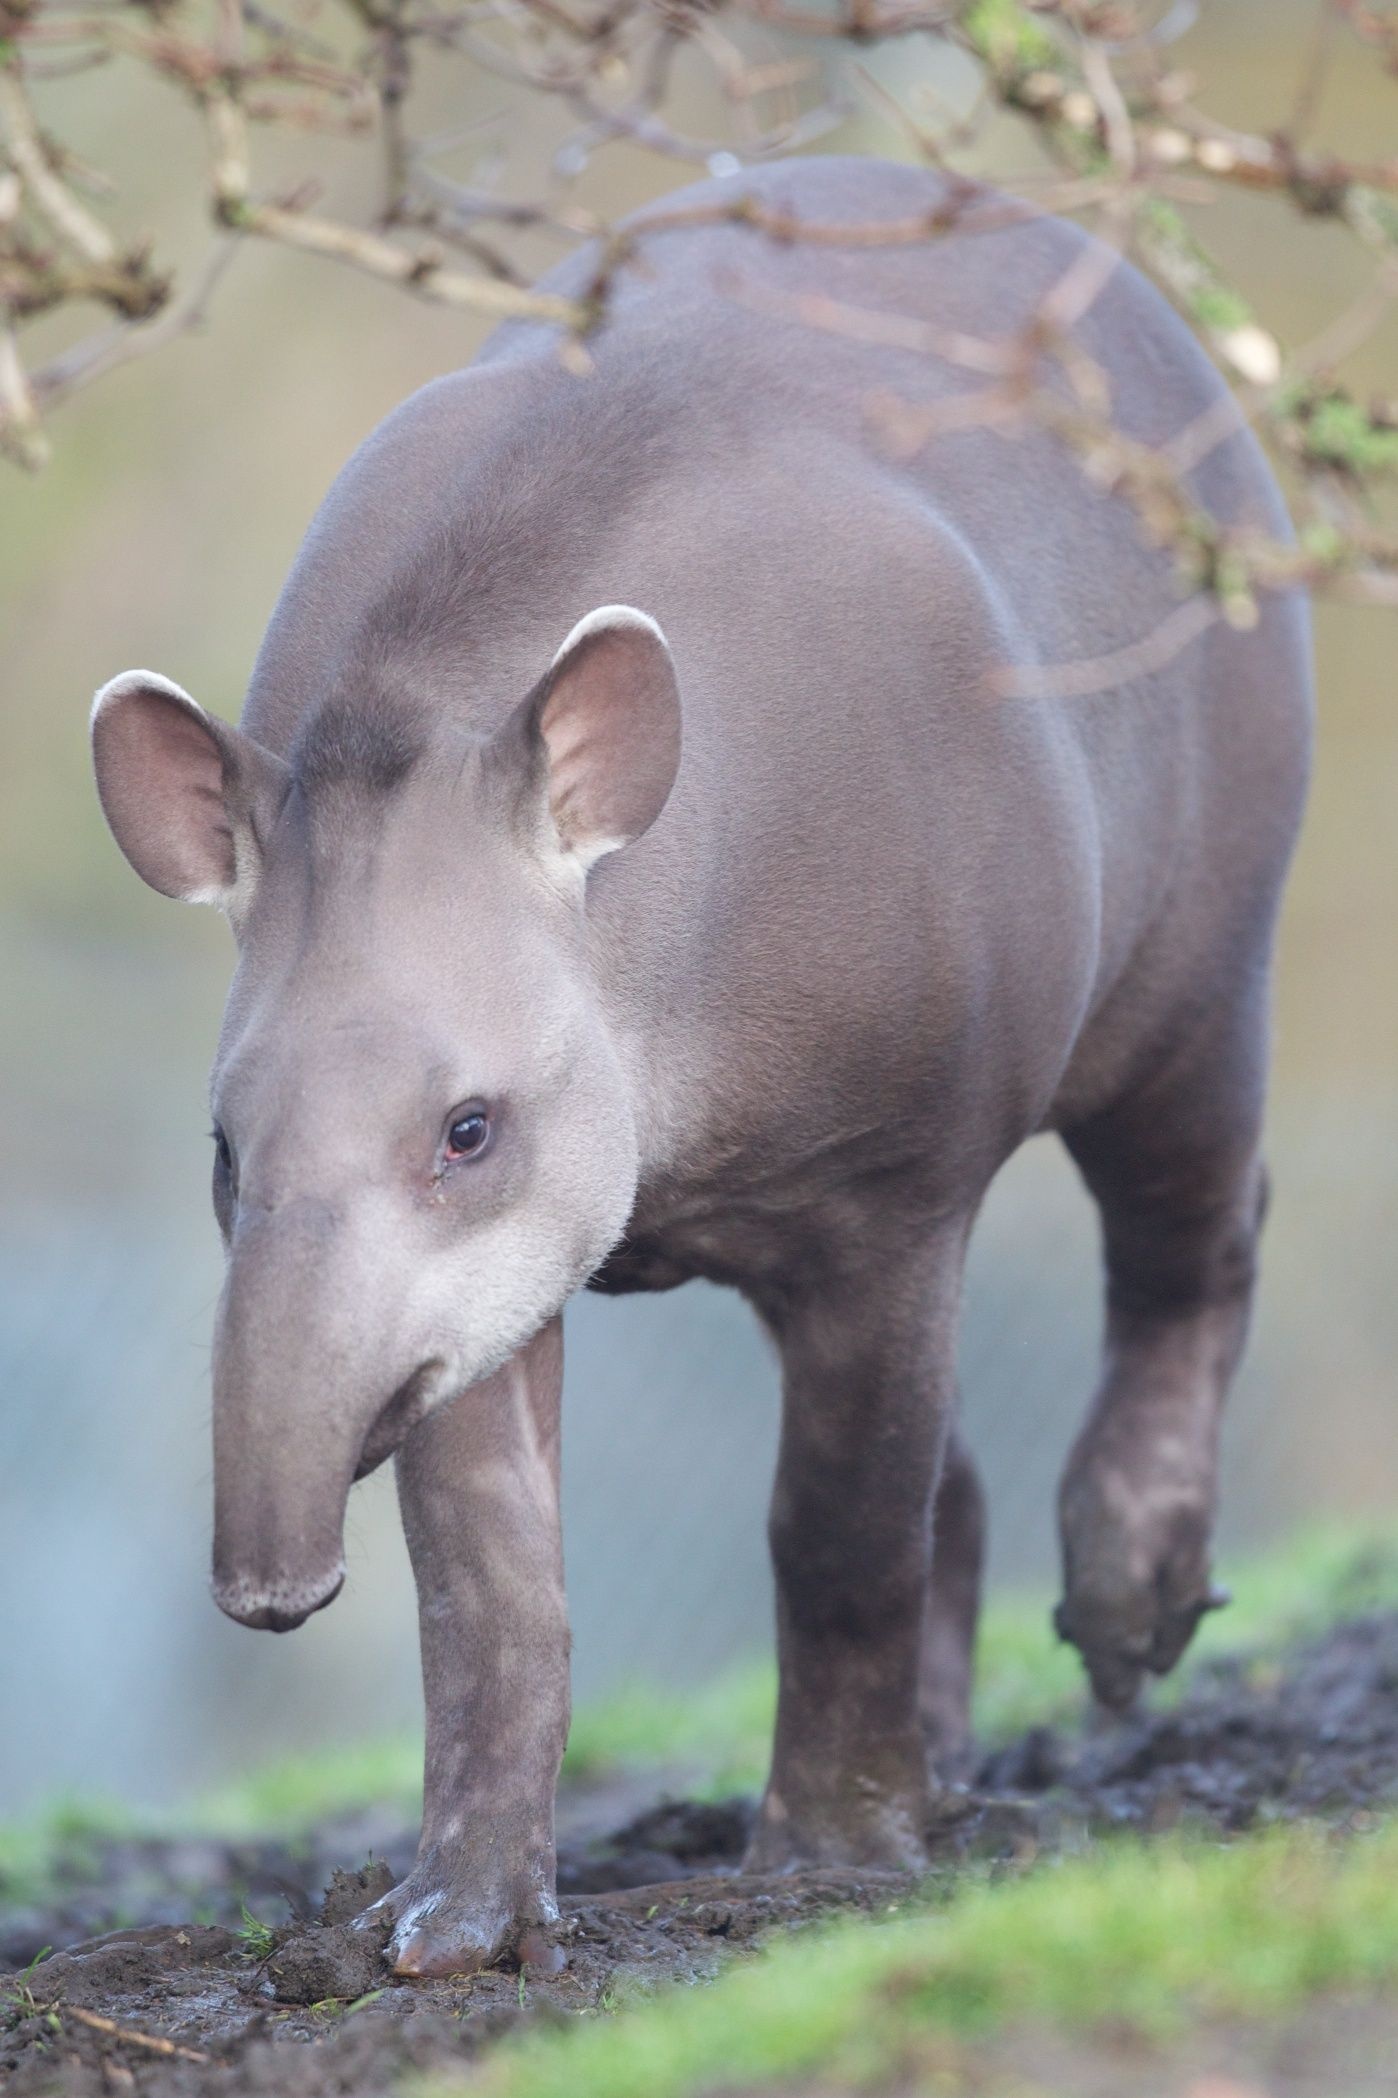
{"x":411,"y":1403}
{"x":280,"y":1607}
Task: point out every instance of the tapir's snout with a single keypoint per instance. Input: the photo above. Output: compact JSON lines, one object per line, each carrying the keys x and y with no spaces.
{"x":281,"y":1607}
{"x":307,"y":1398}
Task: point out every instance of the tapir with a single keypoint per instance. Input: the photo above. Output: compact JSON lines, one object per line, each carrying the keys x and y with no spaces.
{"x":663,"y":841}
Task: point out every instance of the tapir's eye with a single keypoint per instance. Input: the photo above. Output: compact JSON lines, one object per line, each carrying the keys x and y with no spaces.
{"x":468,"y":1134}
{"x":222,"y":1152}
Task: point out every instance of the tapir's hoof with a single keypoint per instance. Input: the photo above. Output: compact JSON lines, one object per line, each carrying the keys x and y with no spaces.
{"x":437,"y":1934}
{"x":425,"y":1956}
{"x":869,"y":1832}
{"x":1135,"y":1566}
{"x":1121,"y":1644}
{"x":421,"y":1956}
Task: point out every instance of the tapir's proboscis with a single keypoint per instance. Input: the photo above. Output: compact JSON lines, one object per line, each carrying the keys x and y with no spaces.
{"x":650,"y":856}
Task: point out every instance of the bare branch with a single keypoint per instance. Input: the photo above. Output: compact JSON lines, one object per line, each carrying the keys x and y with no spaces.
{"x":21,"y":434}
{"x":100,"y":354}
{"x":70,"y":220}
{"x":1120,"y":137}
{"x":1118,"y":666}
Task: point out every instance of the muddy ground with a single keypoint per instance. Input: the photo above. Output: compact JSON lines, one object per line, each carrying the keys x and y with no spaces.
{"x":177,"y":2002}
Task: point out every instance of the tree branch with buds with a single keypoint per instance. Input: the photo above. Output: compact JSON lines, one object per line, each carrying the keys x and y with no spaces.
{"x":1123,"y":138}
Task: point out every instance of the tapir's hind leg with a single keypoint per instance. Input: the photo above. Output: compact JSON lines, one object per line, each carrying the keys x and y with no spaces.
{"x":865,"y":1319}
{"x":1176,"y":1172}
{"x":953,"y":1607}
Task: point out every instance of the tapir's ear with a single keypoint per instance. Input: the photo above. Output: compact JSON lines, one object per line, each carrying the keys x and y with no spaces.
{"x":605,"y":721}
{"x":190,"y":800}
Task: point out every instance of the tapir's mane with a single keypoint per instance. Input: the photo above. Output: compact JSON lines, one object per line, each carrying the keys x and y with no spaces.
{"x":426,"y":636}
{"x":355,"y":742}
{"x":408,"y":646}
{"x":373,"y":722}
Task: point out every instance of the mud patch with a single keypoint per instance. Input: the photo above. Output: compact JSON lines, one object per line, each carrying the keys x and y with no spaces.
{"x":170,"y":2009}
{"x":167,"y":2013}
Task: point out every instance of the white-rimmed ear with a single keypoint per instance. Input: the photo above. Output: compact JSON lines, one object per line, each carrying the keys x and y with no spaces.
{"x":604,"y":727}
{"x":189,"y":799}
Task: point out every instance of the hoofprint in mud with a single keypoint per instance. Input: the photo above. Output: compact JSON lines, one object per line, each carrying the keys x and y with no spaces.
{"x":639,"y":872}
{"x":662,"y":1898}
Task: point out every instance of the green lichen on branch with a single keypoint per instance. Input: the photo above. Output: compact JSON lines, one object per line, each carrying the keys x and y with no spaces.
{"x":1326,"y":427}
{"x":1008,"y":41}
{"x":1172,"y":252}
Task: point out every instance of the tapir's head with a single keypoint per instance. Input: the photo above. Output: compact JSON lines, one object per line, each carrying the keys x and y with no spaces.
{"x":424,"y":1136}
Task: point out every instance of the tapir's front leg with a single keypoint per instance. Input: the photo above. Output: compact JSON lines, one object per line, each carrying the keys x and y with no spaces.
{"x":478,"y":1487}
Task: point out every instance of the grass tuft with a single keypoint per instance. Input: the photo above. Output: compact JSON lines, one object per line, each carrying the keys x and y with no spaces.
{"x":257,"y":1940}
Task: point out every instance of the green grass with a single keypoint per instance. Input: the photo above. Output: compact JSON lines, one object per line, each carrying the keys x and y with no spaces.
{"x":715,"y":1739}
{"x":257,"y":1938}
{"x":721,"y":1730}
{"x":283,"y":1797}
{"x":66,"y":1829}
{"x":1153,"y":1937}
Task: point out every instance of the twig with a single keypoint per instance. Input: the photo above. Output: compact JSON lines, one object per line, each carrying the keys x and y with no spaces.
{"x":129,"y":2037}
{"x":21,"y":435}
{"x":90,"y":360}
{"x":1116,"y":667}
{"x":1117,"y":130}
{"x":70,"y":220}
{"x":418,"y":269}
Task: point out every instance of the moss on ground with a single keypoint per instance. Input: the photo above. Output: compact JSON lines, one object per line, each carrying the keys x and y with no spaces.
{"x":1147,"y":1936}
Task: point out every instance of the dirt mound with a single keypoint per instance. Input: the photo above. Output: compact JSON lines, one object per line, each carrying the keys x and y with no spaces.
{"x":174,"y":2010}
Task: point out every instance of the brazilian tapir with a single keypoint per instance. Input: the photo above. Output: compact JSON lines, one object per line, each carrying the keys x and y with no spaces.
{"x":640,"y":870}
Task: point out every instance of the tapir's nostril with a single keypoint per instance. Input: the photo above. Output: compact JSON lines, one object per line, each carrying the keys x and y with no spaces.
{"x":411,"y":1402}
{"x":279,"y":1606}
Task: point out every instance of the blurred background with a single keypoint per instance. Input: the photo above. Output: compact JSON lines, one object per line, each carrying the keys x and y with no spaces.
{"x":159,"y":536}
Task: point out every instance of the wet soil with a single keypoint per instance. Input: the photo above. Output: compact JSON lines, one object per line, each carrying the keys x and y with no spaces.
{"x":179,"y":2002}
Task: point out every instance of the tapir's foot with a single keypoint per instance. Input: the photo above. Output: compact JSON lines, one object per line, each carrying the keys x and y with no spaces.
{"x":447,"y":1923}
{"x":866,"y":1825}
{"x":1137,"y":1581}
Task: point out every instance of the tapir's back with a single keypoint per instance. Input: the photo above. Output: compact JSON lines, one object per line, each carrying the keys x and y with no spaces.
{"x":794,"y":457}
